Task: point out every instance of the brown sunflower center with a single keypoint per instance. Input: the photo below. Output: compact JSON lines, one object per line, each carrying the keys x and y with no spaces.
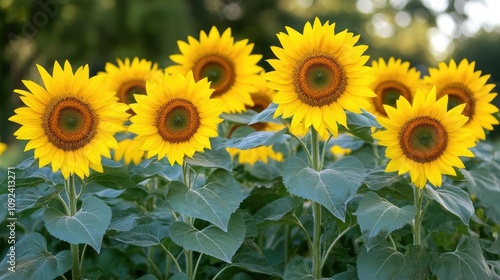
{"x":69,"y":123}
{"x":177,"y":121}
{"x":388,"y":92}
{"x":129,"y":88}
{"x":423,"y":139}
{"x":319,"y":80}
{"x":218,"y":70}
{"x":458,"y":94}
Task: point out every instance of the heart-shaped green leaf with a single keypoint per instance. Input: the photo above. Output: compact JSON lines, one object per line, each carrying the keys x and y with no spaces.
{"x":453,"y":199}
{"x":87,"y":226}
{"x":215,"y":202}
{"x":211,"y":240}
{"x":333,"y":188}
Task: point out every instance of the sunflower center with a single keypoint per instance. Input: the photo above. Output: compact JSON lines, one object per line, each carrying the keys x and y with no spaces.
{"x":388,"y":92}
{"x":458,"y":94}
{"x":218,"y":70}
{"x":423,"y":139}
{"x":129,"y":88}
{"x":177,"y":121}
{"x":69,"y":123}
{"x":319,"y":80}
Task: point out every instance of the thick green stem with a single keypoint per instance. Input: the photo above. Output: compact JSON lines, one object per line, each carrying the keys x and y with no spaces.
{"x":316,"y":248}
{"x":418,"y":216}
{"x":190,"y":221}
{"x":72,"y":198}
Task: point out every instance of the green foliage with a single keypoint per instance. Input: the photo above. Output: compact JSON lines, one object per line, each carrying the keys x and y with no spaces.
{"x":378,"y":218}
{"x":211,"y":240}
{"x":332,"y":188}
{"x":87,"y":226}
{"x":35,"y":261}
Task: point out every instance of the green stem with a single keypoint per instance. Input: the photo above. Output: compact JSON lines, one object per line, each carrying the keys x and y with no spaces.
{"x":190,"y":221}
{"x":316,"y":246}
{"x":70,"y":191}
{"x":418,"y":195}
{"x":325,"y":256}
{"x":174,"y":259}
{"x":286,"y":242}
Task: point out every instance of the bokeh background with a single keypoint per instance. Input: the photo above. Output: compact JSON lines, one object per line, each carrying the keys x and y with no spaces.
{"x":94,"y":32}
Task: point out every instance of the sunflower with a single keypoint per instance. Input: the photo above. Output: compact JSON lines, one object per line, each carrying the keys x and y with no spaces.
{"x":129,"y":78}
{"x":463,"y":85}
{"x":261,"y":100}
{"x":318,"y":75}
{"x":339,"y":151}
{"x":424,"y":138}
{"x":176,"y":118}
{"x":392,"y":80}
{"x":3,"y":147}
{"x":229,"y":66}
{"x":130,"y":151}
{"x":71,"y":121}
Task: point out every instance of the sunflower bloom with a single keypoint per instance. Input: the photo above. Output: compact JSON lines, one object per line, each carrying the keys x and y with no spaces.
{"x":393,"y":79}
{"x":129,"y":150}
{"x":424,"y":138}
{"x":71,"y":121}
{"x":228,"y":65}
{"x":176,"y":118}
{"x":319,"y":74}
{"x":463,"y":85}
{"x":261,"y":100}
{"x":129,"y":78}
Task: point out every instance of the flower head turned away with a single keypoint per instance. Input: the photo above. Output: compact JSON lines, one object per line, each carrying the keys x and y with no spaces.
{"x":318,"y":74}
{"x":463,"y":85}
{"x":129,"y":150}
{"x":261,"y":100}
{"x":3,"y":147}
{"x":424,"y":138}
{"x":176,"y":118}
{"x":229,"y":66}
{"x":70,"y":122}
{"x":393,"y":79}
{"x":129,"y":78}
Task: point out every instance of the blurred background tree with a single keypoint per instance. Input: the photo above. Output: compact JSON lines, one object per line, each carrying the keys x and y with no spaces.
{"x":94,"y":32}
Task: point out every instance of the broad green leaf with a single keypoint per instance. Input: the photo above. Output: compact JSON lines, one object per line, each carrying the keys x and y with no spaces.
{"x":378,"y":217}
{"x":148,"y":277}
{"x":123,"y":220}
{"x":212,"y":158}
{"x":34,"y":261}
{"x":483,"y":183}
{"x":179,"y":276}
{"x":87,"y":226}
{"x":242,"y":118}
{"x":211,"y":240}
{"x":349,"y":274}
{"x":35,"y":197}
{"x":114,"y":176}
{"x":144,"y":235}
{"x":377,"y":179}
{"x":332,"y":188}
{"x":466,"y":262}
{"x":298,"y":268}
{"x":257,"y":139}
{"x":253,"y":262}
{"x":152,"y":168}
{"x":453,"y":199}
{"x":382,"y":262}
{"x":266,"y":115}
{"x":360,"y":125}
{"x":277,"y":209}
{"x":215,"y":202}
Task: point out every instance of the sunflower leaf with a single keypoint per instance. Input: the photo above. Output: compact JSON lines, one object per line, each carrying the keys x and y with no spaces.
{"x":34,"y":261}
{"x":266,"y":115}
{"x":87,"y":226}
{"x":256,"y":139}
{"x":146,"y":235}
{"x":299,"y":268}
{"x":215,"y":202}
{"x":466,"y":262}
{"x":211,"y":240}
{"x":333,"y":188}
{"x":360,"y":125}
{"x":115,"y":176}
{"x":383,"y":262}
{"x":378,"y":217}
{"x":453,"y":199}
